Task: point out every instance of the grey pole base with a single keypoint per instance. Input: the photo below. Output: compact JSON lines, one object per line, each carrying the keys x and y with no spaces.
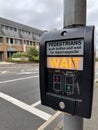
{"x":72,"y":122}
{"x":74,"y":12}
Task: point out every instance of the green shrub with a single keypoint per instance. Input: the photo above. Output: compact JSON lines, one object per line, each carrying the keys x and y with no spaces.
{"x":19,"y":55}
{"x":32,"y":53}
{"x":36,"y":59}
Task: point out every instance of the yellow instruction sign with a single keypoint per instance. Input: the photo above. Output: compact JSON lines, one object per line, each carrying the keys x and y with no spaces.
{"x":69,"y":63}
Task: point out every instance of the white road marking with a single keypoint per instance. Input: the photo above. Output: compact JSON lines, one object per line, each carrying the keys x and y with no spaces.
{"x":28,"y":73}
{"x":3,"y":72}
{"x":36,"y":104}
{"x":8,"y":81}
{"x":43,"y":126}
{"x":32,"y":69}
{"x":26,"y":107}
{"x":22,"y":70}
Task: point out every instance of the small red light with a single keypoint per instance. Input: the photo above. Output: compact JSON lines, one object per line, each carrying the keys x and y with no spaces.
{"x":57,"y":78}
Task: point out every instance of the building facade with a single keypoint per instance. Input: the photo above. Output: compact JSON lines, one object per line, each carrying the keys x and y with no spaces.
{"x":16,"y":37}
{"x":97,"y":53}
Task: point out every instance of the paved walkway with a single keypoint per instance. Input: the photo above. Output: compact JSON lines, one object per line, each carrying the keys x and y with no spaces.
{"x":5,"y":63}
{"x":9,"y":64}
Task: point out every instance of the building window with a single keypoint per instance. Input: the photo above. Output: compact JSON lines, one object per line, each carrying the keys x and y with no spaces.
{"x":27,"y":42}
{"x":6,"y":27}
{"x":11,"y":40}
{"x":29,"y":33}
{"x":30,"y":43}
{"x":11,"y":28}
{"x":7,"y":40}
{"x":3,"y":27}
{"x":20,"y":42}
{"x":34,"y":43}
{"x":0,"y":39}
{"x":15,"y":29}
{"x":17,"y":41}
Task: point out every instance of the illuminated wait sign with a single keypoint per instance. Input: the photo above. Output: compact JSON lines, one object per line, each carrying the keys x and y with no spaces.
{"x":69,"y":63}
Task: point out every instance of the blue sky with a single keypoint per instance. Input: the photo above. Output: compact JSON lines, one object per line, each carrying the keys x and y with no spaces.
{"x":44,"y":14}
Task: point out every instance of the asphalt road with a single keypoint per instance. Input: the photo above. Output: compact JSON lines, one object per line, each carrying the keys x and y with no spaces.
{"x":20,"y":107}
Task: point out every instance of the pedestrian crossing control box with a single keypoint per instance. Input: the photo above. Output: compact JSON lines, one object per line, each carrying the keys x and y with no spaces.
{"x":67,"y":70}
